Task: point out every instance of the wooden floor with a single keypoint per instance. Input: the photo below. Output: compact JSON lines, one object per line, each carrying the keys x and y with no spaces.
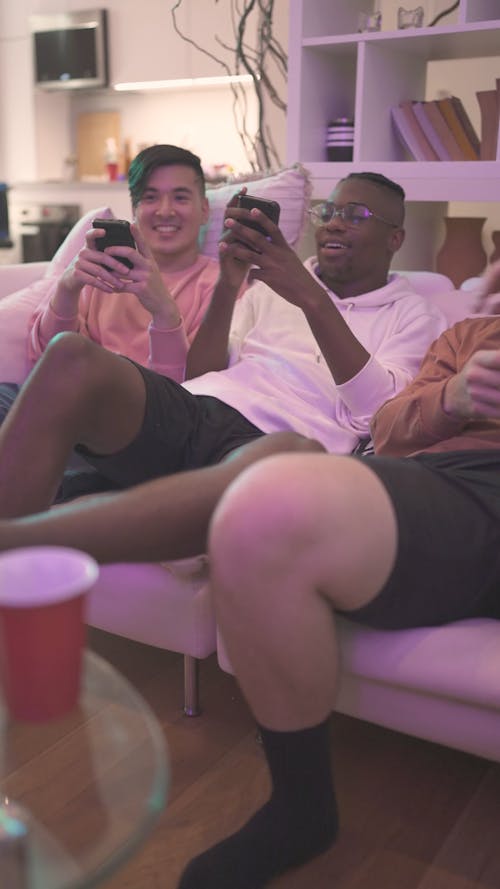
{"x":414,"y":815}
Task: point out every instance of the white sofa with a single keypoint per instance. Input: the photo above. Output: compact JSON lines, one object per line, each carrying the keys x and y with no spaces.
{"x":441,"y":684}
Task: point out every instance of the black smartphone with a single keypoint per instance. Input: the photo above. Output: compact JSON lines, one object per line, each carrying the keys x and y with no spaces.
{"x":270,"y":208}
{"x":118,"y":234}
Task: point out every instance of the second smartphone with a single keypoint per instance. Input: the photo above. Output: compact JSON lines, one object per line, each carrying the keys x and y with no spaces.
{"x":270,"y":208}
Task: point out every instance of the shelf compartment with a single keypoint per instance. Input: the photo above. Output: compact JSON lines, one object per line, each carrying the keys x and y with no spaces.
{"x":319,"y":17}
{"x":324,"y":87}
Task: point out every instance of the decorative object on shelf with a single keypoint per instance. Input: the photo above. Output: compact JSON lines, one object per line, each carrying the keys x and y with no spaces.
{"x":410,"y":18}
{"x":369,"y":21}
{"x":340,"y":139}
{"x":255,"y":57}
{"x":495,"y":255}
{"x":462,"y":254}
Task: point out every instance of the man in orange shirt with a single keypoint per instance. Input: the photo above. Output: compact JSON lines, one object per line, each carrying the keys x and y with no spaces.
{"x":391,"y":541}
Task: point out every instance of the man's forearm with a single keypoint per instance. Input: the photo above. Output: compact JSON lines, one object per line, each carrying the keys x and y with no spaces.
{"x":210,"y":347}
{"x":64,"y":302}
{"x":343,"y":353}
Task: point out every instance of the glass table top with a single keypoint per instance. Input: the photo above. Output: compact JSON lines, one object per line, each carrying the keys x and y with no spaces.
{"x":91,"y":785}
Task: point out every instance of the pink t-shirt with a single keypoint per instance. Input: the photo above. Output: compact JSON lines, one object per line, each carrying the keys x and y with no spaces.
{"x":118,"y":321}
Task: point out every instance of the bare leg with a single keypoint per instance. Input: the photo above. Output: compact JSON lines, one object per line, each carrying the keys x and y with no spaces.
{"x":163,"y":519}
{"x":77,"y":393}
{"x":293,"y":537}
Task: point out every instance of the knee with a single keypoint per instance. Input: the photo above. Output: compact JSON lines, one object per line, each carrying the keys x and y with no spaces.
{"x":68,"y":360}
{"x":65,"y":348}
{"x":263,"y":516}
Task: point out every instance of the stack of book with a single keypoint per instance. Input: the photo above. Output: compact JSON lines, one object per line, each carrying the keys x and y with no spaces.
{"x":438,"y":130}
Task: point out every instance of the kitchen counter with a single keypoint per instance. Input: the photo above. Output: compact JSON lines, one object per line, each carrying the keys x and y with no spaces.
{"x":88,"y":194}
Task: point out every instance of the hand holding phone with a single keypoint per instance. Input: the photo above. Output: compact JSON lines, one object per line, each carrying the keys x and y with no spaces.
{"x":270,"y":208}
{"x":117,"y":234}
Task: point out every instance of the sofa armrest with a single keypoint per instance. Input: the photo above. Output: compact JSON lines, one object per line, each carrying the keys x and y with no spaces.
{"x":16,"y":276}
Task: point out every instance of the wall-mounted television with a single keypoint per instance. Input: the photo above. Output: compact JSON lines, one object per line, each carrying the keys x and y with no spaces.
{"x":70,"y":49}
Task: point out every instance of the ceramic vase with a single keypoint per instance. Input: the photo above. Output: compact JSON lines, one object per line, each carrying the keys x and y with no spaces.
{"x":462,"y":254}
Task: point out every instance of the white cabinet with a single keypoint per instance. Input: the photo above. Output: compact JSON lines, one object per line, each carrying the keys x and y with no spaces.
{"x":145,"y":45}
{"x":335,"y":71}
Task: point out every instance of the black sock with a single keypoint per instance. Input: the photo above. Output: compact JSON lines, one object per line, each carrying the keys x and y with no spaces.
{"x":297,"y":823}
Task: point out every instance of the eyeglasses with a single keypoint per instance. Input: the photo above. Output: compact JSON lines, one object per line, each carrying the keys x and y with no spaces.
{"x":352,"y":214}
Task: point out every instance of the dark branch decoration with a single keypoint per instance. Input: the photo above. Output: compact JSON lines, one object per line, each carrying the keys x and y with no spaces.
{"x":256,"y":61}
{"x":444,"y":13}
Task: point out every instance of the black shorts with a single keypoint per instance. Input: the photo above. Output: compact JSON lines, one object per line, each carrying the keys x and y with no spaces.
{"x":180,"y":431}
{"x":448,"y":561}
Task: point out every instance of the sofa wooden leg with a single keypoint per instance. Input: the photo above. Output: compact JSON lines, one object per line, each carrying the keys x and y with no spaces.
{"x":191,"y":685}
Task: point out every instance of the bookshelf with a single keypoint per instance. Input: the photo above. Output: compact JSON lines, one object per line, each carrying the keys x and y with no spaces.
{"x":335,"y":71}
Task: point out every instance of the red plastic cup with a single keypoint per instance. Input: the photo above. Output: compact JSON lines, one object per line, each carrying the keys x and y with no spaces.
{"x":42,"y":629}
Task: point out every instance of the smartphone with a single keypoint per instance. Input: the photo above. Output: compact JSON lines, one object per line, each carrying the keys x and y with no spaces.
{"x":270,"y":208}
{"x":118,"y":234}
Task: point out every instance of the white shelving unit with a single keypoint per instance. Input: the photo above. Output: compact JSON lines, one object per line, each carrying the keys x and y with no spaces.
{"x":335,"y":71}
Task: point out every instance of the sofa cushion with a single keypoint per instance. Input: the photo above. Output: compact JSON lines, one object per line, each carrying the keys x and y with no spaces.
{"x":15,"y":313}
{"x":291,"y":187}
{"x":455,"y":304}
{"x":459,"y":660}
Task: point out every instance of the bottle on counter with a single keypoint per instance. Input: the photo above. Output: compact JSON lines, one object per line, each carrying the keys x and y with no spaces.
{"x":127,"y":157}
{"x":111,"y":159}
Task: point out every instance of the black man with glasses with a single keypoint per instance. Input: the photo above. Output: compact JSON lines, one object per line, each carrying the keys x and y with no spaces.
{"x":310,"y":350}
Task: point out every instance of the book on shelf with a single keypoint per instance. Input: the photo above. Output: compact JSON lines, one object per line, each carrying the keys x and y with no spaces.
{"x":411,"y":134}
{"x":448,"y":109}
{"x":437,"y":131}
{"x":488,"y":101}
{"x":466,"y":123}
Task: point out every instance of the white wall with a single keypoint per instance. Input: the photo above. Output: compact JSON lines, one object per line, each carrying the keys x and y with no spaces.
{"x":17,"y":121}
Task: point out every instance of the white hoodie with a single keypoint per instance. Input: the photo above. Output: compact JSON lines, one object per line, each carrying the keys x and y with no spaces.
{"x":278,"y":379}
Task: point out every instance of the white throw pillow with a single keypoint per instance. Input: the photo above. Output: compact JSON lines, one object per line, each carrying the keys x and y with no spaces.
{"x":17,"y":308}
{"x":291,"y":187}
